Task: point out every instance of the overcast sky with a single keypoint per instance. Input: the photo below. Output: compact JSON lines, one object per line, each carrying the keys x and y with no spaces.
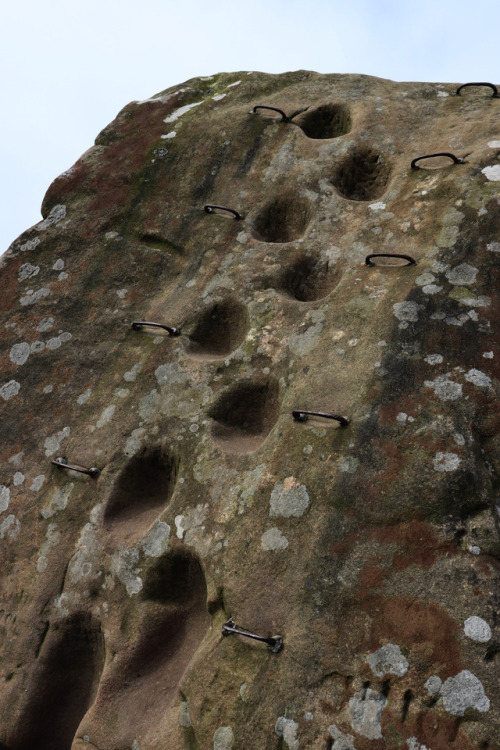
{"x":69,"y":67}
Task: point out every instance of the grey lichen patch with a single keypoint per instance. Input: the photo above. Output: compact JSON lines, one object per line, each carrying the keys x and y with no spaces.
{"x":223,"y":738}
{"x":289,"y":498}
{"x":303,"y":343}
{"x":10,"y":528}
{"x":413,"y":744}
{"x":362,"y":306}
{"x":57,"y":214}
{"x":406,"y":311}
{"x":155,"y":543}
{"x":149,"y":405}
{"x":444,"y":388}
{"x":58,"y":500}
{"x":27,"y":271}
{"x":37,"y":482}
{"x":31,"y":297}
{"x":123,"y":566}
{"x":4,"y":498}
{"x":448,"y":236}
{"x":273,"y":540}
{"x":10,"y":389}
{"x":478,"y":378}
{"x":170,"y":374}
{"x":492,"y":173}
{"x":52,"y":538}
{"x":53,"y":442}
{"x":462,"y":692}
{"x":446,"y":462}
{"x":85,"y":561}
{"x":133,"y":443}
{"x":341,"y":741}
{"x":388,"y":660}
{"x":433,"y":684}
{"x":184,"y":716}
{"x":287,"y":729}
{"x":131,"y":375}
{"x":477,"y":629}
{"x":365,"y":710}
{"x":462,"y":275}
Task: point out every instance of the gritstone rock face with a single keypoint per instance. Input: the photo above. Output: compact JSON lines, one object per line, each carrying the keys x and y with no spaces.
{"x":326,"y":275}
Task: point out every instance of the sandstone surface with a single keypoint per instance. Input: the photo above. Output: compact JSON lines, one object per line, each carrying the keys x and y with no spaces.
{"x":371,"y":548}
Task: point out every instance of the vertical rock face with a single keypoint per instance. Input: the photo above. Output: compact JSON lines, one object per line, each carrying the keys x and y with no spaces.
{"x":371,"y":547}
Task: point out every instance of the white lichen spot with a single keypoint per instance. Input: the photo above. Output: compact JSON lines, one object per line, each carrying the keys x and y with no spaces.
{"x":181,"y":111}
{"x":432,"y":289}
{"x":88,"y":551}
{"x":123,"y":566}
{"x":27,"y":271}
{"x":58,"y":500}
{"x":18,"y":478}
{"x":52,"y":537}
{"x":442,"y":94}
{"x":433,"y":359}
{"x":425,"y":278}
{"x":30,"y":245}
{"x":62,"y":276}
{"x":462,"y":692}
{"x":230,"y":85}
{"x":179,"y":526}
{"x":493,"y":247}
{"x":446,"y":462}
{"x":132,"y":374}
{"x":307,"y":449}
{"x":10,"y":389}
{"x":492,"y":173}
{"x":106,"y":416}
{"x":433,"y":684}
{"x":379,"y":206}
{"x":133,"y":443}
{"x":45,"y":325}
{"x":388,"y":660}
{"x":402,"y":417}
{"x":149,"y":405}
{"x":10,"y":528}
{"x":218,"y":97}
{"x":223,"y":738}
{"x":287,"y":729}
{"x":349,"y":464}
{"x":56,"y":341}
{"x":84,"y":397}
{"x":17,"y":459}
{"x":474,"y":549}
{"x":341,"y":741}
{"x":168,"y":136}
{"x":4,"y":498}
{"x":477,"y":629}
{"x":444,"y":388}
{"x":478,"y":378}
{"x":155,"y":543}
{"x":57,"y":214}
{"x":53,"y":442}
{"x":288,"y":498}
{"x":462,"y":275}
{"x":37,"y":483}
{"x":36,"y":347}
{"x":302,"y":344}
{"x":19,"y":353}
{"x":406,"y":311}
{"x":273,"y":540}
{"x":488,"y":355}
{"x":412,"y":742}
{"x":365,"y":709}
{"x":184,"y":717}
{"x":494,"y":144}
{"x":32,"y":297}
{"x":169,"y":374}
{"x":58,"y":265}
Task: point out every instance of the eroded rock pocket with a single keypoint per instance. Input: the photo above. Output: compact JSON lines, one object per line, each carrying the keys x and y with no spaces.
{"x":218,"y":331}
{"x":142,"y":490}
{"x":176,"y":578}
{"x":63,"y":686}
{"x":284,"y":219}
{"x":244,"y":415}
{"x":307,"y":279}
{"x":362,"y":176}
{"x":326,"y":121}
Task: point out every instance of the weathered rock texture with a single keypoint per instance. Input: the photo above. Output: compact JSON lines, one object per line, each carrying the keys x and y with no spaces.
{"x":373,"y":549}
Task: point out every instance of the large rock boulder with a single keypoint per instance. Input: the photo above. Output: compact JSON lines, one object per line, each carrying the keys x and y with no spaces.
{"x":371,"y":547}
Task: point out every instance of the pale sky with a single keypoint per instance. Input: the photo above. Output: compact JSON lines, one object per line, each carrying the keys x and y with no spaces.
{"x":68,"y":68}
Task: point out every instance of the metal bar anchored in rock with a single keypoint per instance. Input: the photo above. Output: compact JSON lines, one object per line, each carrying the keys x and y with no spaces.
{"x":369,"y":261}
{"x":492,"y":86}
{"x":274,"y":642}
{"x":63,"y":464}
{"x":456,"y":159}
{"x":210,"y":208}
{"x":138,"y":324}
{"x":301,"y":415}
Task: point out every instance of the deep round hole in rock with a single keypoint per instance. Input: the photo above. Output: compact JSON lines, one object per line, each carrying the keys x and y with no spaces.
{"x":217,"y":331}
{"x":142,"y":490}
{"x":244,"y":415}
{"x":326,"y":121}
{"x":283,"y":219}
{"x":308,"y":279}
{"x":362,"y":175}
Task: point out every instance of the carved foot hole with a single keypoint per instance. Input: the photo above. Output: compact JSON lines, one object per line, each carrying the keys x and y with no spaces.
{"x":326,"y":121}
{"x":218,"y":331}
{"x":362,"y":176}
{"x":284,"y":219}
